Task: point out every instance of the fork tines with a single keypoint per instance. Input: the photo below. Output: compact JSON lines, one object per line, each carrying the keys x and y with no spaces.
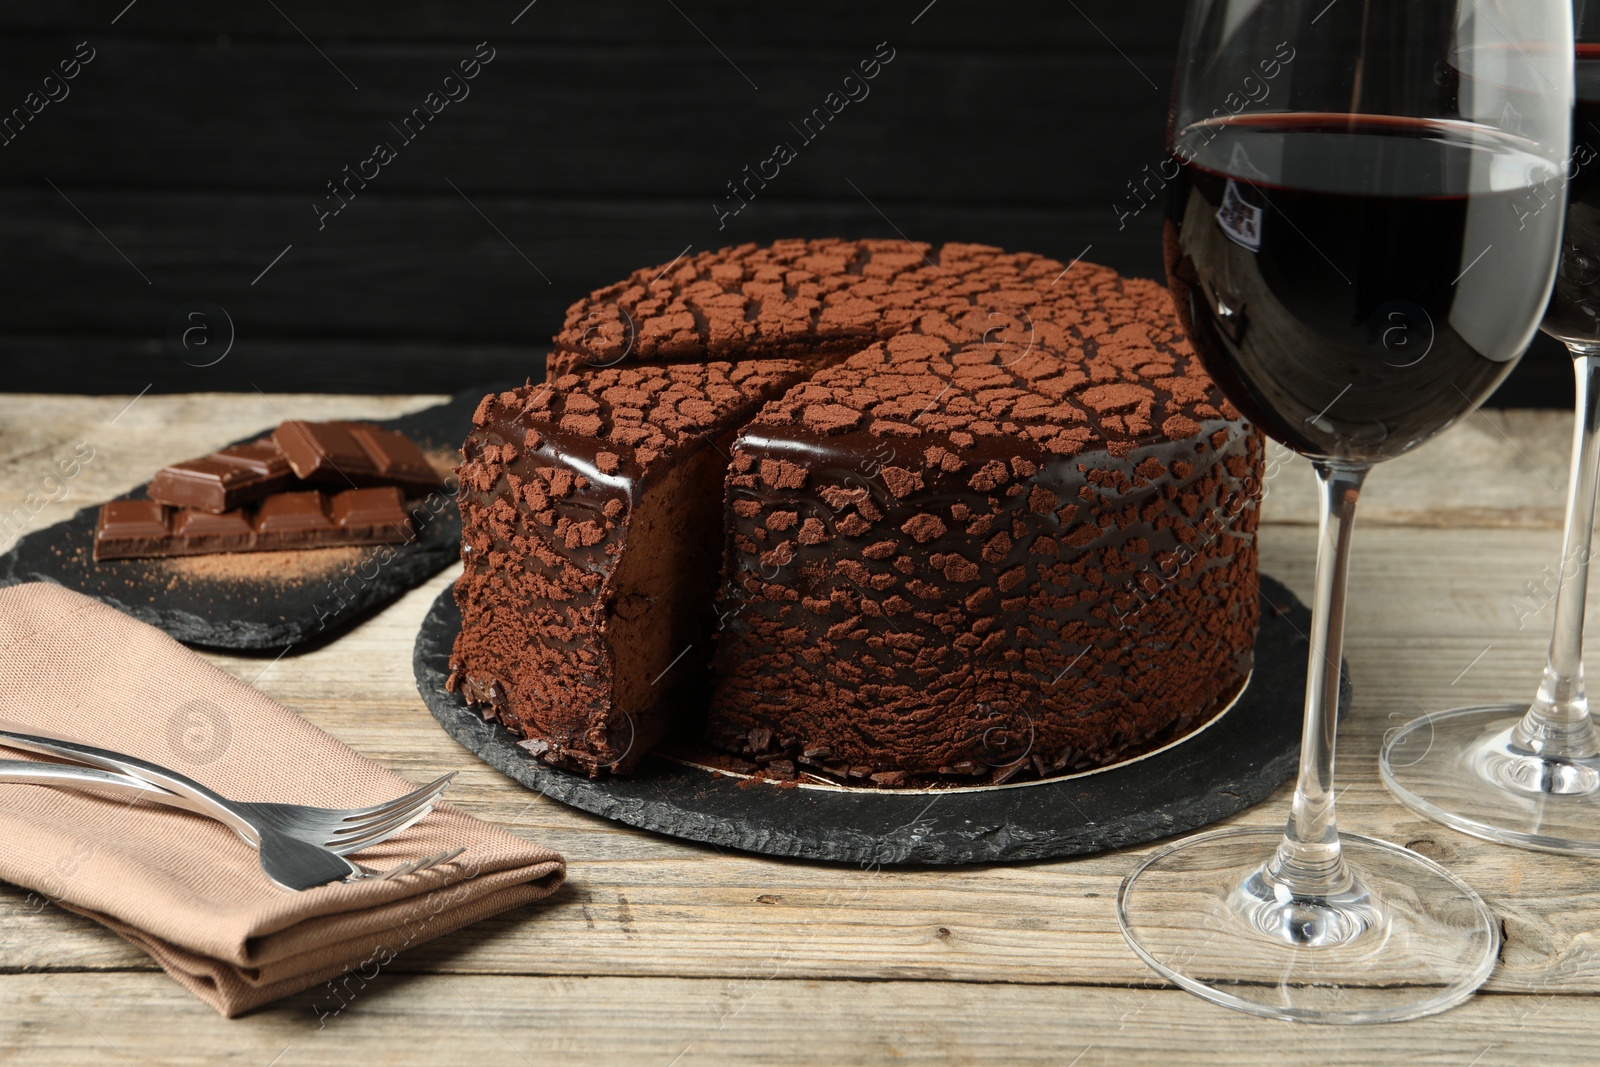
{"x":416,"y":866}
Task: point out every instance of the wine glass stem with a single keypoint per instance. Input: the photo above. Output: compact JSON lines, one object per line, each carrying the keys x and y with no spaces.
{"x":1308,"y":861}
{"x":1557,"y":724}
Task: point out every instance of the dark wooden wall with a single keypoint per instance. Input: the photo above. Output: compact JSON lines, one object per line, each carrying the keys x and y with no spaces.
{"x":189,"y":152}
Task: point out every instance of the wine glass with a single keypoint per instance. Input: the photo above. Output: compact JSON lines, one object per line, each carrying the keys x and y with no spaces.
{"x":1346,"y":251}
{"x":1529,"y":774}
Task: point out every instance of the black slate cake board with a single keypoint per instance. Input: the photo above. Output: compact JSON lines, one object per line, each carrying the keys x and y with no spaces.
{"x":1235,"y":761}
{"x":198,"y":605}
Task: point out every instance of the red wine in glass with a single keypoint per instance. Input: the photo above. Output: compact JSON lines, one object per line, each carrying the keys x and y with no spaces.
{"x":1574,"y":312}
{"x":1528,"y":773}
{"x":1356,"y":283}
{"x":1359,"y":249}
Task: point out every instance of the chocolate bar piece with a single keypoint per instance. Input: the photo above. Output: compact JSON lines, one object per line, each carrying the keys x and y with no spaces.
{"x":335,"y":454}
{"x":223,"y":480}
{"x":134,"y":529}
{"x":354,"y":453}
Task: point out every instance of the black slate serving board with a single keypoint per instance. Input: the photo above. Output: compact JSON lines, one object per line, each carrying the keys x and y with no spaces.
{"x":1232,"y":763}
{"x":196,"y":604}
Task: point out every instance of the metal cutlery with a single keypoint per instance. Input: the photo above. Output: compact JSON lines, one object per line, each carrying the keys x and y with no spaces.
{"x":291,"y":861}
{"x":339,"y":834}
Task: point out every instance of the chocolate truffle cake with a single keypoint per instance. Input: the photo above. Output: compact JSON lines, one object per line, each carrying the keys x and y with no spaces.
{"x":993,"y":520}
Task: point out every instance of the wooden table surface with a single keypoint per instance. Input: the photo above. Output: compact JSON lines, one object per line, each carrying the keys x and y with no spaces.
{"x":662,"y":952}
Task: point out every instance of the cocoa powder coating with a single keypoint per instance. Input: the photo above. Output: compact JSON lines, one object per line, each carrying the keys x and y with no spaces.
{"x":992,"y":521}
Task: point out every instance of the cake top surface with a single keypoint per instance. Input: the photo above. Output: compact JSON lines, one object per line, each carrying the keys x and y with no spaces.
{"x":575,"y":450}
{"x":632,"y":414}
{"x":1114,"y":394}
{"x":955,"y":339}
{"x":790,"y":293}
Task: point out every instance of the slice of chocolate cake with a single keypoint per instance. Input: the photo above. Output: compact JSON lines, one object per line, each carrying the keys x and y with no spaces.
{"x":976,"y":559}
{"x":591,"y":537}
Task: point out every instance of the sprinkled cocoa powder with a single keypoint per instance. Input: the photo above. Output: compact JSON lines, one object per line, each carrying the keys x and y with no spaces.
{"x":300,"y":567}
{"x":1002,"y":524}
{"x":443,"y":460}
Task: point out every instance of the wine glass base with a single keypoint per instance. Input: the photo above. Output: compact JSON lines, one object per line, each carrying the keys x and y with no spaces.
{"x":1414,"y":942}
{"x":1459,"y":768}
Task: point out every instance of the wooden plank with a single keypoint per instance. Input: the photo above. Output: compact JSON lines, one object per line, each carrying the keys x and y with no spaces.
{"x":588,"y":121}
{"x":47,"y":363}
{"x":1493,"y":468}
{"x":408,"y":268}
{"x":76,"y":1019}
{"x":1543,"y":379}
{"x":1425,"y":603}
{"x":1027,"y":26}
{"x":273,"y":114}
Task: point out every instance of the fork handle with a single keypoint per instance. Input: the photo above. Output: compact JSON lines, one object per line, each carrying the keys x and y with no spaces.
{"x":26,"y":772}
{"x":210,"y":802}
{"x":289,"y":861}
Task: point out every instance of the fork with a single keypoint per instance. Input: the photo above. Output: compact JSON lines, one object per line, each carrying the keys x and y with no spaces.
{"x":324,"y":826}
{"x":335,"y":840}
{"x":73,"y":776}
{"x":289,"y":861}
{"x":349,"y":829}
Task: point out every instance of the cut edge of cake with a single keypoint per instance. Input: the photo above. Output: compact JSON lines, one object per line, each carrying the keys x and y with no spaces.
{"x":607,"y":488}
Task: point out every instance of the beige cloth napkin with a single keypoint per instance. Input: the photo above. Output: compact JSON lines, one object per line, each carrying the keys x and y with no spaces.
{"x":182,"y":887}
